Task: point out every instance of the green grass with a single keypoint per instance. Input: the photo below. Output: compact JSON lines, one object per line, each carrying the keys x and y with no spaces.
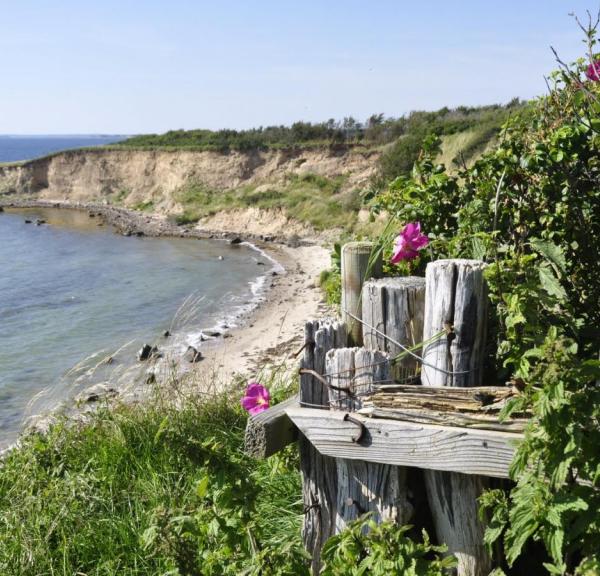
{"x":309,"y":198}
{"x":147,"y":489}
{"x":147,"y":206}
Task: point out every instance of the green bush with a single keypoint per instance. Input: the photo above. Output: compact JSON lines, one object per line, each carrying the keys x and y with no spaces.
{"x":531,"y":209}
{"x":384,"y":549}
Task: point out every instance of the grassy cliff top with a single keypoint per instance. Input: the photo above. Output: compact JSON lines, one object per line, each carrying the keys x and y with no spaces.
{"x":375,"y":132}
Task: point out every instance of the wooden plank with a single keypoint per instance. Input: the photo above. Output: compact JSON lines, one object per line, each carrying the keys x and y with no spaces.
{"x":270,"y":431}
{"x":419,"y":397}
{"x":459,"y":419}
{"x":407,"y":443}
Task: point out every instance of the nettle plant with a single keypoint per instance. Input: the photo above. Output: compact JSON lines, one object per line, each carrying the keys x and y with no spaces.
{"x":531,"y":209}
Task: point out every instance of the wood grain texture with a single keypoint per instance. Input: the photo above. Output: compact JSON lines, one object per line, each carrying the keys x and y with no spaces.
{"x":357,"y":370}
{"x":396,"y":307}
{"x":458,"y":419}
{"x":456,"y":301}
{"x":456,"y":297}
{"x":355,"y":271}
{"x":270,"y":431}
{"x":363,"y":486}
{"x":319,"y":472}
{"x":400,"y":443}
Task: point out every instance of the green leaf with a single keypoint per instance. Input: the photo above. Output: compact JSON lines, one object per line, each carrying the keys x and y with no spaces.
{"x":202,"y":487}
{"x":550,"y":283}
{"x":550,"y":252}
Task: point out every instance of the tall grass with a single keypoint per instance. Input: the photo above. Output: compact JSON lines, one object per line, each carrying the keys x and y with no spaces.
{"x":160,"y":487}
{"x":310,"y":198}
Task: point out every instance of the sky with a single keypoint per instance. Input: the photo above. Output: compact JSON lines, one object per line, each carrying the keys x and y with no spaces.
{"x":127,"y":67}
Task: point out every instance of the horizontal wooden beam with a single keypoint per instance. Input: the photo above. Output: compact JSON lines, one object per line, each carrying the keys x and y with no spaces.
{"x":270,"y":431}
{"x":434,"y":447}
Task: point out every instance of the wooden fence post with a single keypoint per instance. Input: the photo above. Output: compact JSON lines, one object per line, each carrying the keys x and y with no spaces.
{"x":364,"y":486}
{"x":394,"y":307}
{"x":319,"y":475}
{"x":456,"y":302}
{"x":355,"y":270}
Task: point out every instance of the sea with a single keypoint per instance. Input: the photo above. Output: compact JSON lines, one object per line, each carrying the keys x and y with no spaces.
{"x":74,"y":293}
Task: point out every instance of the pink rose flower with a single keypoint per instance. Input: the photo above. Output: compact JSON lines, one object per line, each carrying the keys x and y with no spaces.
{"x":408,"y":243}
{"x":593,"y":71}
{"x":257,"y":398}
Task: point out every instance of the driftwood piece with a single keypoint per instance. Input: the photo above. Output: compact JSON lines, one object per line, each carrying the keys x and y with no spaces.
{"x":459,"y":419}
{"x":401,"y":443}
{"x":363,"y":486}
{"x":456,"y":301}
{"x":394,"y":307}
{"x":270,"y":431}
{"x":319,"y":473}
{"x":481,"y":399}
{"x":355,"y":270}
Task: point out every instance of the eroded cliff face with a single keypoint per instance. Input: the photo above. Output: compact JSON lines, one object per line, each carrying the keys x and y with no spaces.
{"x":132,"y":177}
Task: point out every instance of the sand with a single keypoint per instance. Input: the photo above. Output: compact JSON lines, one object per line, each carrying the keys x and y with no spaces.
{"x":273,"y":335}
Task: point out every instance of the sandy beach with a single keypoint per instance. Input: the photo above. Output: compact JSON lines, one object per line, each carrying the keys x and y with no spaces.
{"x":274,"y":332}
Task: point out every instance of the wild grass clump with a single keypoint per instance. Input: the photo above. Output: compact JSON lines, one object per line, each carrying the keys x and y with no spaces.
{"x":161,"y":487}
{"x":308,"y":198}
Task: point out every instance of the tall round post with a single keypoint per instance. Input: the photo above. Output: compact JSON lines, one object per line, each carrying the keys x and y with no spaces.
{"x":358,"y":265}
{"x":456,"y":312}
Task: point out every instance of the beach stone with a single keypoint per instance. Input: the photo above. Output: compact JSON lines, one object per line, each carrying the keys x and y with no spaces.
{"x":39,"y":222}
{"x":97,"y":393}
{"x":1,"y":209}
{"x":212,"y":333}
{"x":260,"y":263}
{"x":147,"y":351}
{"x":27,"y":221}
{"x":192,"y":355}
{"x":166,"y":333}
{"x":236,"y":240}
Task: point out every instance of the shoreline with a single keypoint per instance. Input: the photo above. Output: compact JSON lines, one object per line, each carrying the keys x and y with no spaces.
{"x":271,"y":332}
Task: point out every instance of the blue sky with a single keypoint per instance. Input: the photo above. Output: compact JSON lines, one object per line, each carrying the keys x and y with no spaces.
{"x":124,"y":66}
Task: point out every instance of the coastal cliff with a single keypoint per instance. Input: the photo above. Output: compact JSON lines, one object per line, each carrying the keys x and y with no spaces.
{"x":137,"y":176}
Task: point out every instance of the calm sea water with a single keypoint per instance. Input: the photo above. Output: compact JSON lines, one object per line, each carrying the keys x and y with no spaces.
{"x":15,"y":148}
{"x":70,"y":289}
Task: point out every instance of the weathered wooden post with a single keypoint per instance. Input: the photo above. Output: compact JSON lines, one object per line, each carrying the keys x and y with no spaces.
{"x":357,"y":266}
{"x":363,"y":486}
{"x":319,"y":475}
{"x":394,"y":307}
{"x":456,"y":304}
